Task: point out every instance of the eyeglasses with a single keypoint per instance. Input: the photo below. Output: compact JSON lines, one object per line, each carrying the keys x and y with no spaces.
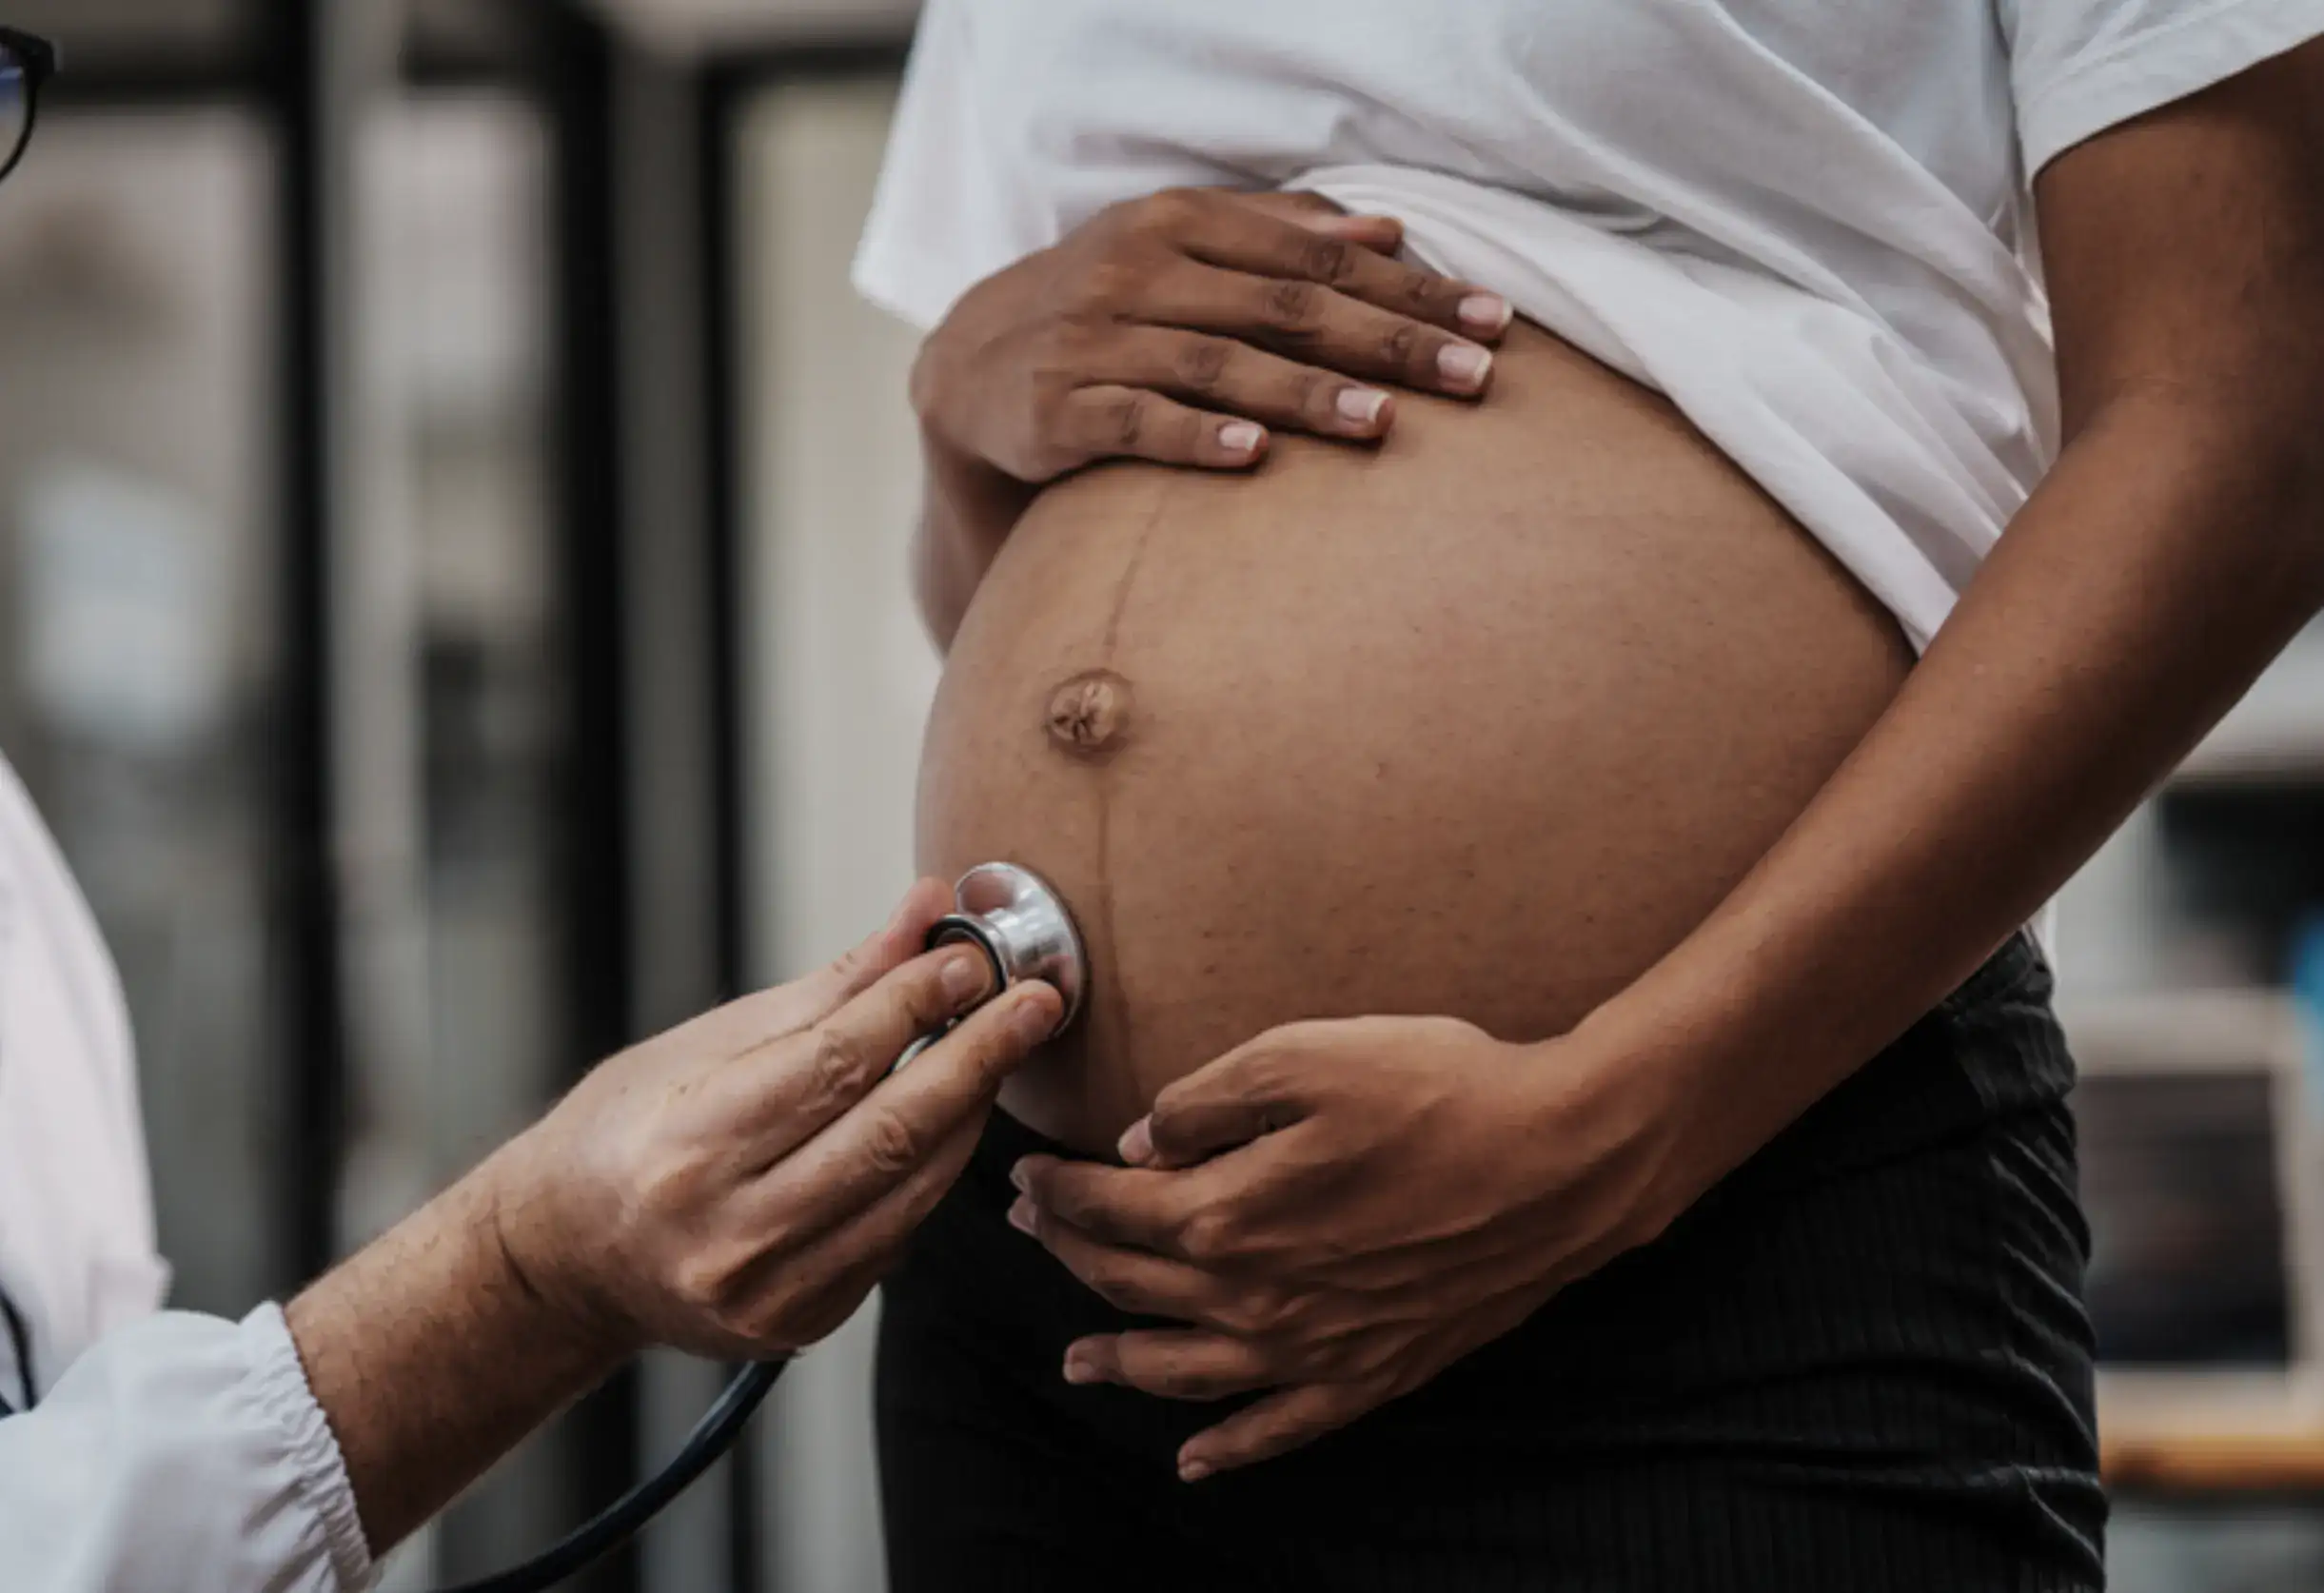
{"x":25,"y":66}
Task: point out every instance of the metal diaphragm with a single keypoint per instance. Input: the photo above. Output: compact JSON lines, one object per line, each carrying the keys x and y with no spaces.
{"x":1025,"y":931}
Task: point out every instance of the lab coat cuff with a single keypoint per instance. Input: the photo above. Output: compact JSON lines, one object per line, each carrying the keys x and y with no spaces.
{"x":281,"y":1390}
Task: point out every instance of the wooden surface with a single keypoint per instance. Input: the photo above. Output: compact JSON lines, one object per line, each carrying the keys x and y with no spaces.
{"x":2214,"y":1462}
{"x":2233,"y":1447}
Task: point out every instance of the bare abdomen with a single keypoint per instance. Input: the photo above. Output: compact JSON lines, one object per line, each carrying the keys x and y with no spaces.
{"x":1478,"y":724}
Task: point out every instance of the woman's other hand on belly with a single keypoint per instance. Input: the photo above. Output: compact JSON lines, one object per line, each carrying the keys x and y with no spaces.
{"x":1164,"y":328}
{"x":1340,"y":1210}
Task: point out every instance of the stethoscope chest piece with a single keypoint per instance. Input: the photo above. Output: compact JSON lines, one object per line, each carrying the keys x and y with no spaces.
{"x":1024,"y":926}
{"x":1024,"y":929}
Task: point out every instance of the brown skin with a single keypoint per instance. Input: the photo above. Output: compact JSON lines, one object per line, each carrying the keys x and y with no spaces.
{"x":1305,"y":1203}
{"x":733,"y":1188}
{"x":1527,"y":684}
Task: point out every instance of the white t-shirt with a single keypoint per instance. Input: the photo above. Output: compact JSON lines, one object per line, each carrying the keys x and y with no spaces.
{"x":1807,"y":223}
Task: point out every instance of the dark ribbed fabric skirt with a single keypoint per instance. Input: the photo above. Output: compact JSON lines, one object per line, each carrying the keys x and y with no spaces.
{"x":1861,"y":1364}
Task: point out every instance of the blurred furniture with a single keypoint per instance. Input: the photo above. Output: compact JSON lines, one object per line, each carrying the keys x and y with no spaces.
{"x":2205,"y":1188}
{"x":2229,"y":1449}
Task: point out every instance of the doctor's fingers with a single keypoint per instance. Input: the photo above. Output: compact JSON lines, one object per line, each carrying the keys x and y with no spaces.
{"x":886,"y":1143}
{"x":809,"y":1290}
{"x":783,"y":1092}
{"x":750,"y":1021}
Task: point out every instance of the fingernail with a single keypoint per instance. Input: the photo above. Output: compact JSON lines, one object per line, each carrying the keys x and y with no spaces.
{"x":1487,"y":313}
{"x":1361,"y":405}
{"x":965,"y":977}
{"x":1019,"y":1176}
{"x":1193,"y":1470}
{"x":1032,"y":1022}
{"x":1241,"y":436}
{"x":1463,"y":365}
{"x":1137,"y":1142}
{"x":1078,"y":1371}
{"x":1020,"y":1215}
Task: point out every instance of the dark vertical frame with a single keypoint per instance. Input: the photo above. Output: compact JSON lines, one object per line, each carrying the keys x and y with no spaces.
{"x":314,"y":1028}
{"x":716,"y":100}
{"x":721,"y":377}
{"x":576,"y":65}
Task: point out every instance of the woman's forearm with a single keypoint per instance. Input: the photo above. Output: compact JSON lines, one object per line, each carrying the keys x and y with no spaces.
{"x":966,"y":515}
{"x":2175,"y":548}
{"x":2178,"y":544}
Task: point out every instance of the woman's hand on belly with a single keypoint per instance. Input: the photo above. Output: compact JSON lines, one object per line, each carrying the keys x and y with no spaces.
{"x":1162,"y":328}
{"x":1340,"y":1210}
{"x":1174,"y":330}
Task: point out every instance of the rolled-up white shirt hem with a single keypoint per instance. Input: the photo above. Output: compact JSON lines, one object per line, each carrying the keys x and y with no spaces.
{"x":182,"y":1453}
{"x":280,"y":1391}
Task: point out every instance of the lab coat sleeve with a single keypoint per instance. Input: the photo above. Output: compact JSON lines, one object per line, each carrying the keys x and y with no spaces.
{"x":185,"y":1453}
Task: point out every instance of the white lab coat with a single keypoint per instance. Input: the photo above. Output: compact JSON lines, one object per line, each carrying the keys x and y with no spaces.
{"x":166,"y":1452}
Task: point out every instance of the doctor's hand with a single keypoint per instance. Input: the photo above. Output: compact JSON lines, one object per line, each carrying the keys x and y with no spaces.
{"x":735,"y":1187}
{"x":1180,"y":327}
{"x":738,"y":1186}
{"x":1339,"y":1211}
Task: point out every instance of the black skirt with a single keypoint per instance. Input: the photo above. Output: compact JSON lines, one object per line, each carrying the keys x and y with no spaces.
{"x":1862,"y":1363}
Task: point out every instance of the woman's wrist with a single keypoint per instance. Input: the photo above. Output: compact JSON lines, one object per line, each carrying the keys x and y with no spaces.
{"x":1772,"y":1002}
{"x":1703,"y":1059}
{"x":970,"y":507}
{"x":973,"y":493}
{"x":1598,"y":1099}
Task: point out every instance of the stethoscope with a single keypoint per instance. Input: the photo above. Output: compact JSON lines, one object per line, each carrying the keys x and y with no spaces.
{"x":20,"y":1347}
{"x":1024,"y":930}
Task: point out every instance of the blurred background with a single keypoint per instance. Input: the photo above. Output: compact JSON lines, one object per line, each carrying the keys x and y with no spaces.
{"x":452,"y":515}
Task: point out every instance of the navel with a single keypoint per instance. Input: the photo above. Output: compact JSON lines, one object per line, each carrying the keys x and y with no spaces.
{"x":1089,"y":716}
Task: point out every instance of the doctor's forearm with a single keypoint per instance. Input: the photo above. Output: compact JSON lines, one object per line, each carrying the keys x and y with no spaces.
{"x":431,"y":1357}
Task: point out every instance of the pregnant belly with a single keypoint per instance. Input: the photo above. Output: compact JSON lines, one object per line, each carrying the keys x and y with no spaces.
{"x":1479,"y":725}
